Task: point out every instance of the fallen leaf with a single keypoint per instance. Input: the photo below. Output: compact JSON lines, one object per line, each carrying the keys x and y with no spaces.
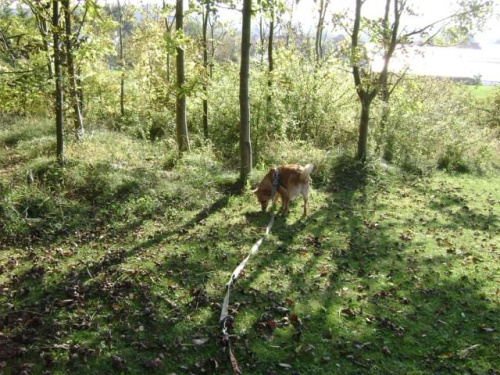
{"x":361,"y":346}
{"x":271,"y":324}
{"x":347,"y":311}
{"x":154,"y":364}
{"x":446,"y":355}
{"x":295,"y":320}
{"x":487,"y":329}
{"x":281,"y":310}
{"x":118,"y":363}
{"x":466,"y":352}
{"x":200,"y":341}
{"x":406,"y":236}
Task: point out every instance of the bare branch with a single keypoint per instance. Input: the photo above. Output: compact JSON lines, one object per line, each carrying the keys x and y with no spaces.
{"x":450,"y":17}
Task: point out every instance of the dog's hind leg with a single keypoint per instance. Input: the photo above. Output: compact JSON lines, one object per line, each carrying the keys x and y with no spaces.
{"x":284,"y":200}
{"x":305,"y":197}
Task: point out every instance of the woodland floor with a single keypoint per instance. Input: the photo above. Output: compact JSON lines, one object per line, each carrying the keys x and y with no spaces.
{"x":119,"y":267}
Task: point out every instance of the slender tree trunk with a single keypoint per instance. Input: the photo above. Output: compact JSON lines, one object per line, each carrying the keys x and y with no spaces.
{"x":71,"y":71}
{"x":323,"y":5}
{"x":168,"y":29}
{"x":206,"y":17}
{"x":168,"y":67}
{"x":390,"y":36}
{"x":41,"y":21}
{"x":45,"y":33}
{"x":212,"y":50}
{"x":79,"y":85}
{"x":181,"y":124}
{"x":43,"y":28}
{"x":122,"y":61}
{"x":270,"y":59}
{"x":58,"y":87}
{"x":213,"y":42}
{"x":289,"y":26}
{"x":245,"y":143}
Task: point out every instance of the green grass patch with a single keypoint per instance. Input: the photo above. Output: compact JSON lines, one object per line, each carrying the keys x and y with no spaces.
{"x":116,"y":265}
{"x":482,"y":92}
{"x":16,"y":131}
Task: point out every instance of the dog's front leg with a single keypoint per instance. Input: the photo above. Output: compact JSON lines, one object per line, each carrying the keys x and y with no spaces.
{"x":277,"y":195}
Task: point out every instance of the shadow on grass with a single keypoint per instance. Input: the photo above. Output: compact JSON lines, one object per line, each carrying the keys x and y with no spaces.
{"x":100,"y":284}
{"x":383,"y":307}
{"x":96,"y":200}
{"x":460,"y":215}
{"x":369,"y":303}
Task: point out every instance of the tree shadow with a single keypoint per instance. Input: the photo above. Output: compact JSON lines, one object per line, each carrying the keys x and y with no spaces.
{"x":460,"y":214}
{"x":435,"y":326}
{"x":377,"y":300}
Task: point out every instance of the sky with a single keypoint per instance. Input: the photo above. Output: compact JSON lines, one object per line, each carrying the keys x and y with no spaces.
{"x":429,"y":11}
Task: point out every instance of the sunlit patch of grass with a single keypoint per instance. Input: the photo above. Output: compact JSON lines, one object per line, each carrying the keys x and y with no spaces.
{"x":481,"y":92}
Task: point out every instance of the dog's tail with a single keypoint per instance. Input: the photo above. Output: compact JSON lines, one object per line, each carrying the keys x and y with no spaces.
{"x":306,"y":172}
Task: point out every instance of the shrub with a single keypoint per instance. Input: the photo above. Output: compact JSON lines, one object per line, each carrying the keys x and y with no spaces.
{"x":434,"y":123}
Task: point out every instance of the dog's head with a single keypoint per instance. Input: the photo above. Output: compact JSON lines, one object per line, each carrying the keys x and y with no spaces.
{"x":263,"y":196}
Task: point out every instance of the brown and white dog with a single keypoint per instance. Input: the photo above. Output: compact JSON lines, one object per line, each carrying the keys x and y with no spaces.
{"x":293,"y":181}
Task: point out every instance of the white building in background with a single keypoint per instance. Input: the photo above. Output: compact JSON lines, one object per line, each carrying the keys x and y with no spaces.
{"x":464,"y":63}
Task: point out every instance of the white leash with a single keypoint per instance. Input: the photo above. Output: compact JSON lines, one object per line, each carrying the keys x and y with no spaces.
{"x":234,"y":276}
{"x":225,"y":306}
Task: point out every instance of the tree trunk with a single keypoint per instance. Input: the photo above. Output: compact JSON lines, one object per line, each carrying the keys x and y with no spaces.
{"x":323,"y":4}
{"x":43,"y":28}
{"x":168,"y":29}
{"x":245,"y":143}
{"x":79,"y":85}
{"x":122,"y":61}
{"x":206,"y":16}
{"x":71,"y":71}
{"x":44,"y":31}
{"x":261,"y":38}
{"x":365,"y":96}
{"x":363,"y":128}
{"x":58,"y":87}
{"x":289,"y":26}
{"x":181,"y":124}
{"x":270,"y":59}
{"x":212,"y":45}
{"x":390,"y":37}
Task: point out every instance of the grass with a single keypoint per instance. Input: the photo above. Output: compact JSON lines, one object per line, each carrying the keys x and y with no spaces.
{"x":482,"y":92}
{"x":116,"y":265}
